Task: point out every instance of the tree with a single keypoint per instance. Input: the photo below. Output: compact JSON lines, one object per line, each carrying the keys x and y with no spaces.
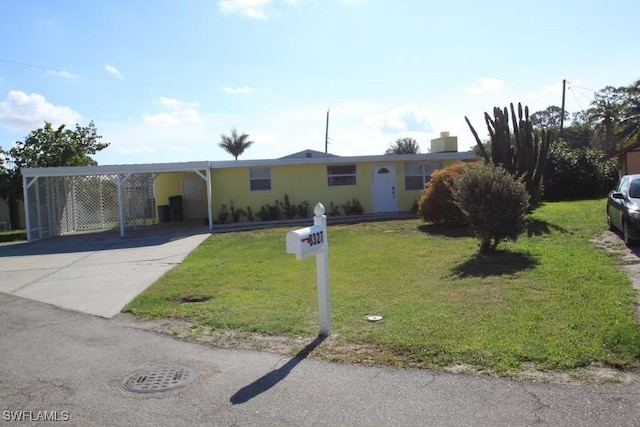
{"x":577,"y":173}
{"x":235,"y":144}
{"x":403,"y":146}
{"x":604,"y":115}
{"x":46,"y":147}
{"x":493,"y":201}
{"x":580,"y":133}
{"x":522,"y":153}
{"x":548,"y":118}
{"x":630,"y":117}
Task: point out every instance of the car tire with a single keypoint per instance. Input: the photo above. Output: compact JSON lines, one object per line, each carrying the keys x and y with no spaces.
{"x":625,"y":233}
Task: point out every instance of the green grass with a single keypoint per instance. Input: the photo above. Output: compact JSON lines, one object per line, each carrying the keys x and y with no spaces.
{"x":13,"y":236}
{"x":550,"y":300}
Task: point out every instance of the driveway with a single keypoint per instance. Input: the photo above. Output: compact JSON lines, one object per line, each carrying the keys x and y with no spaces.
{"x":97,"y":273}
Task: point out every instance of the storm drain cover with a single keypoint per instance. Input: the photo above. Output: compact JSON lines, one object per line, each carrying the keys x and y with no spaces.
{"x":160,"y":378}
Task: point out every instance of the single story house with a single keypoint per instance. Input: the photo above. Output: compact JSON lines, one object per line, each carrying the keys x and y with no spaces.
{"x":628,"y":159}
{"x":68,"y":200}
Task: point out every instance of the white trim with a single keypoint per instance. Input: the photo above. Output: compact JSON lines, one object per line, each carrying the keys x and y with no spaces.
{"x":203,"y":165}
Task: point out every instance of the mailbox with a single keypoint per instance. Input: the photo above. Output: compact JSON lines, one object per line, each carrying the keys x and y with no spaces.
{"x":305,"y":242}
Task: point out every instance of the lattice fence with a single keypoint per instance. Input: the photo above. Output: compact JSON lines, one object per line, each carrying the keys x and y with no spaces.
{"x":73,"y":204}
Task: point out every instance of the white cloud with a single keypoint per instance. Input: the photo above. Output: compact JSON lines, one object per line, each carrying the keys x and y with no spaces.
{"x":175,"y":118}
{"x":181,"y":113}
{"x":113,"y":71}
{"x":23,"y":112}
{"x":244,"y":90}
{"x":254,"y":9}
{"x":60,"y":73}
{"x":137,"y":149}
{"x":405,"y":119}
{"x":176,"y":104}
{"x":485,"y":85}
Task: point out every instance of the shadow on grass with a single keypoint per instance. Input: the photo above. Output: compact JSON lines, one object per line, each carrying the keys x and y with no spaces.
{"x":447,"y":230}
{"x":496,"y":264}
{"x":267,"y":381}
{"x":537,"y":227}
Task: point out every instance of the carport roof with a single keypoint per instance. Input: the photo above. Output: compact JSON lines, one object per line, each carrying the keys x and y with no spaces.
{"x":114,"y":169}
{"x":203,"y":165}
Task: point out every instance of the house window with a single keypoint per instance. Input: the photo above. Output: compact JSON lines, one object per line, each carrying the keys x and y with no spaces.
{"x":341,"y":175}
{"x":416,"y":175}
{"x":260,"y":179}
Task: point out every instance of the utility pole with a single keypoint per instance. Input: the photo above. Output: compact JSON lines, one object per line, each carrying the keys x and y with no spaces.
{"x":326,"y":135}
{"x":564,"y":85}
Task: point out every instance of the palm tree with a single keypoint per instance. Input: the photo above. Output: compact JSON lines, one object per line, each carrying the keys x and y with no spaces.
{"x":604,"y":115}
{"x":630,"y":121}
{"x":235,"y":144}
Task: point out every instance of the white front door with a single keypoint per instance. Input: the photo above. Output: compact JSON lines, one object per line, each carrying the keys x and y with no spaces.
{"x":194,"y":198}
{"x":383,"y":180}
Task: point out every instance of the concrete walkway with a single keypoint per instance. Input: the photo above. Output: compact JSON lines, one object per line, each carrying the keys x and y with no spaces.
{"x":97,"y":273}
{"x":57,"y":360}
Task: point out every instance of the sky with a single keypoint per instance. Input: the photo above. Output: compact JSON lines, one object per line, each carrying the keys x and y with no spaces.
{"x":162,"y":79}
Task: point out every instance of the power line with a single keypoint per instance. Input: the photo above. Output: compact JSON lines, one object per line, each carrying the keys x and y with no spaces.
{"x":76,"y":73}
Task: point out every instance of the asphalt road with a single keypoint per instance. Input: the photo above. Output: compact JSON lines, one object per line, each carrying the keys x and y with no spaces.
{"x":74,"y":364}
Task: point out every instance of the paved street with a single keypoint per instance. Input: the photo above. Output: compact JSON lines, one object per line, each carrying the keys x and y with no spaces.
{"x":58,"y":360}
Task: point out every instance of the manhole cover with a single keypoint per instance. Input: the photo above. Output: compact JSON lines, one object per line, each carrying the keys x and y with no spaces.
{"x":160,"y":378}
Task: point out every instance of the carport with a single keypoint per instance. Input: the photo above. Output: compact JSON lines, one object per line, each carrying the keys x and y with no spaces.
{"x":70,"y":200}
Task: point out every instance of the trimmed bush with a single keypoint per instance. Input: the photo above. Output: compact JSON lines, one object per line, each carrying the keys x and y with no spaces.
{"x":577,"y":173}
{"x":436,"y":203}
{"x":494,"y":203}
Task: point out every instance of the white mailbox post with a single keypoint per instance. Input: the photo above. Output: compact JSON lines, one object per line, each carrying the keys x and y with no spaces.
{"x":305,"y":242}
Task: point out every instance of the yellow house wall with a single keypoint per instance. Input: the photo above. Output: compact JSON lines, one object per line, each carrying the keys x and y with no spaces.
{"x":299,"y":182}
{"x":304,"y":182}
{"x":169,"y":184}
{"x":406,"y":198}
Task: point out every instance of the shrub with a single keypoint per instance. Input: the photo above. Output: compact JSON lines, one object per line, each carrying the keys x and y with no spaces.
{"x":289,"y":209}
{"x":577,"y":173}
{"x":236,"y":214}
{"x":436,"y":202}
{"x":270,"y":212}
{"x":353,"y":207}
{"x":494,"y":203}
{"x":304,"y":209}
{"x":223,"y":216}
{"x":334,"y":210}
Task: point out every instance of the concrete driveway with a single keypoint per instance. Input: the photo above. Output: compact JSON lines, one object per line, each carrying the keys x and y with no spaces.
{"x":97,"y":273}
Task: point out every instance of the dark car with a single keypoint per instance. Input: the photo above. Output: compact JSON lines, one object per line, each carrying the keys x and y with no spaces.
{"x":623,"y":208}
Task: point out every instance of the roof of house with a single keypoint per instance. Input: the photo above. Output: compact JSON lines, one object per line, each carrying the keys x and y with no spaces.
{"x":308,"y":154}
{"x":202,"y":166}
{"x":632,"y":147}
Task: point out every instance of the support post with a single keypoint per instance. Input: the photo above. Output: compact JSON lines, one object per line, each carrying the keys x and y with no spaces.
{"x":322,"y":267}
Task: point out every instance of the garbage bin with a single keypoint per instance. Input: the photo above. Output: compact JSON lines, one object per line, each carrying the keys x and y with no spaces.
{"x":175,"y":206}
{"x":164,"y":213}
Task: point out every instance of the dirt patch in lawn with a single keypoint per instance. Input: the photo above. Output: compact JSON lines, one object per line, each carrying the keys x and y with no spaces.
{"x":337,"y":350}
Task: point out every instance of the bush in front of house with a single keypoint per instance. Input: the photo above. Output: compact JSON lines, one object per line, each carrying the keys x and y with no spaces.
{"x":577,"y":173}
{"x":436,"y":203}
{"x":493,"y":202}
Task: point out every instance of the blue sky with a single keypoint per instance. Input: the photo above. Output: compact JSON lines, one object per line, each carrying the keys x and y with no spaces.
{"x":163,"y":79}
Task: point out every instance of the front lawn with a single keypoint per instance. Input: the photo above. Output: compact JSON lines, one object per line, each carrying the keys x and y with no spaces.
{"x":551,"y":300}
